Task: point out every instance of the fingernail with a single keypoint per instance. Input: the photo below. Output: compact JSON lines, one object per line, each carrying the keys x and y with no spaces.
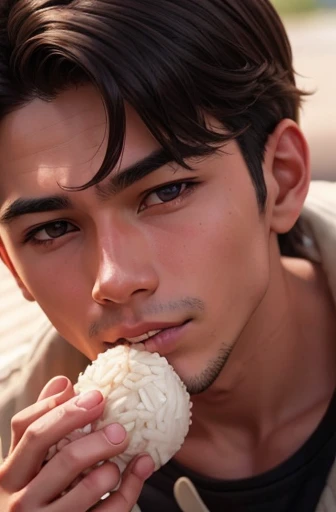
{"x":115,"y":433}
{"x":89,"y":400}
{"x":61,"y":383}
{"x":55,"y":386}
{"x":143,"y":467}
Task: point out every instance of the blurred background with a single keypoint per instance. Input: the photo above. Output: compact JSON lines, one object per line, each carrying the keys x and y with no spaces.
{"x":311,"y":26}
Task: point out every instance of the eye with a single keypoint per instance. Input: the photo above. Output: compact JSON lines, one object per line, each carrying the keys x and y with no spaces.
{"x":165,"y":194}
{"x":49,"y":232}
{"x":54,"y":230}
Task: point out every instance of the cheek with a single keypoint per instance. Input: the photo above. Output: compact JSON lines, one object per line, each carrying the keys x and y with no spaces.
{"x":54,"y":283}
{"x":57,"y":289}
{"x":61,"y":296}
{"x":238,"y":270}
{"x":222,"y":258}
{"x":226,"y":245}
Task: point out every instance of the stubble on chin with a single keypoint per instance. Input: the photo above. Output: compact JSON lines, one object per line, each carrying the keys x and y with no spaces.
{"x":200,"y":383}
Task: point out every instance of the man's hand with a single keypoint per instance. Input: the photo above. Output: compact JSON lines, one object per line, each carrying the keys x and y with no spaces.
{"x":29,"y":484}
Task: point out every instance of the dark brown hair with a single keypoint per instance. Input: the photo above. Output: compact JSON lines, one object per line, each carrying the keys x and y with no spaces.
{"x":174,"y":61}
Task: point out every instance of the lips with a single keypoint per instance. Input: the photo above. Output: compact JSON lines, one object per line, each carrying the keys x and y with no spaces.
{"x":140,"y":333}
{"x":143,"y":337}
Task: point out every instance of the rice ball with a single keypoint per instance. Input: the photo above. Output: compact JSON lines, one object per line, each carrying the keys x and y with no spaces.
{"x":145,"y":395}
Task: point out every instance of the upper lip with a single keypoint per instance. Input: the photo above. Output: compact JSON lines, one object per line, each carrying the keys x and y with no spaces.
{"x":140,"y":329}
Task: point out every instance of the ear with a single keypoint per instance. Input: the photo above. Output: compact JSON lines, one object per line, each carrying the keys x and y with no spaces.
{"x":287,"y":175}
{"x":7,"y":261}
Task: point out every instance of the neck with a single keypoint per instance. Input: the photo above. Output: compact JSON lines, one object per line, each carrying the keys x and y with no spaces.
{"x":282,"y":366}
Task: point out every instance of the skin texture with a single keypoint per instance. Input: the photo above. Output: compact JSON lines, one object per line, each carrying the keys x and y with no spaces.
{"x":207,"y":256}
{"x":26,"y":483}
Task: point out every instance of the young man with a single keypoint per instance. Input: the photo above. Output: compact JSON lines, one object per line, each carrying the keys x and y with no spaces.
{"x":151,"y":162}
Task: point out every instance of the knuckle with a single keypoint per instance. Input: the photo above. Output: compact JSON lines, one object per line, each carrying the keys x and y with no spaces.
{"x":113,"y":473}
{"x":70,"y":458}
{"x":101,"y":480}
{"x":16,"y":422}
{"x":31,"y":434}
{"x":39,"y":427}
{"x":62,"y":412}
{"x":91,"y":483}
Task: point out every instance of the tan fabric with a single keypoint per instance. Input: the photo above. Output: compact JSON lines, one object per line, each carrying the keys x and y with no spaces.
{"x":31,"y":352}
{"x":319,"y":217}
{"x":50,"y":355}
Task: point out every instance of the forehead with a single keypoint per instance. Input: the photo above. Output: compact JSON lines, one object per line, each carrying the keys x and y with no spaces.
{"x":42,"y":127}
{"x":62,"y":141}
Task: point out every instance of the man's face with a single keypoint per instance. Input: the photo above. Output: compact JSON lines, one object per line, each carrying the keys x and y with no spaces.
{"x":180,"y":250}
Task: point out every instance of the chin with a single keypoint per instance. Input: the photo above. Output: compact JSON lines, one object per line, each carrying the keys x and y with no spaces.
{"x":199,"y":379}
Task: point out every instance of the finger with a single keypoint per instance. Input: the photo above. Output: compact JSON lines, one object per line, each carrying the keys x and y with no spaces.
{"x":77,"y":457}
{"x":22,"y":420}
{"x":54,"y":386}
{"x":27,"y":458}
{"x":89,"y":490}
{"x":86,"y":493}
{"x":133,"y":478}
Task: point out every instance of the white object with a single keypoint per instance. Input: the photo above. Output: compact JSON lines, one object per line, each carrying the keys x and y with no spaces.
{"x":187,"y":496}
{"x":145,"y":395}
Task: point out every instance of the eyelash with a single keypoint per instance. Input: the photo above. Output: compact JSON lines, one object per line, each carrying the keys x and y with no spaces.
{"x":30,"y":236}
{"x":190,"y":185}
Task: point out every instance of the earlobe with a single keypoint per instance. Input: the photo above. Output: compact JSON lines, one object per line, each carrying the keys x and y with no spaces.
{"x":287,"y":160}
{"x":7,"y":261}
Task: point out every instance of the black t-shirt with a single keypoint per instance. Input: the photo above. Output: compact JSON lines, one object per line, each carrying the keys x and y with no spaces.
{"x":293,"y":486}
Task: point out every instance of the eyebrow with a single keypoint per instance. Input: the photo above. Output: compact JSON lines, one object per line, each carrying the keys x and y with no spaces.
{"x":34,"y":205}
{"x":135,"y":172}
{"x":115,"y":184}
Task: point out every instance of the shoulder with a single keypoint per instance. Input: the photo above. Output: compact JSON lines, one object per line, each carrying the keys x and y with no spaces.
{"x":318,"y":223}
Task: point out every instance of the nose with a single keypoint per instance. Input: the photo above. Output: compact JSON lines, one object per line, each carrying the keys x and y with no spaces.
{"x":125,"y":269}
